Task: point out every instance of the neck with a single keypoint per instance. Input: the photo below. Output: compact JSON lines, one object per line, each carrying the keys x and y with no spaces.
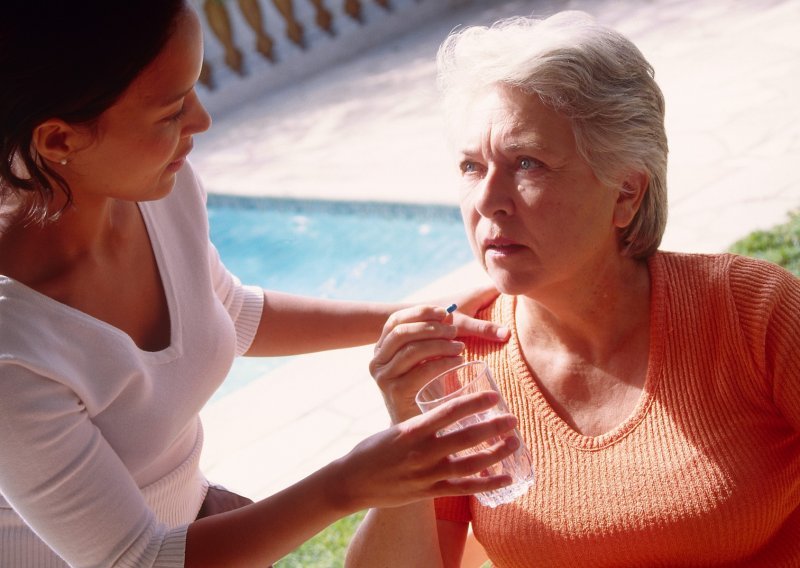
{"x":593,"y":319}
{"x":83,"y":232}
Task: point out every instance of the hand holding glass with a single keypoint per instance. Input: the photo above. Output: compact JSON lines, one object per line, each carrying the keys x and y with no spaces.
{"x":475,"y":377}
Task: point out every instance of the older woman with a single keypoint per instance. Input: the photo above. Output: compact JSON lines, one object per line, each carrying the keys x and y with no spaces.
{"x":659,"y":393}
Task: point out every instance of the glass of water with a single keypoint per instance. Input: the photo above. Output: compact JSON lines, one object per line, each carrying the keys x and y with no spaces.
{"x":470,"y":378}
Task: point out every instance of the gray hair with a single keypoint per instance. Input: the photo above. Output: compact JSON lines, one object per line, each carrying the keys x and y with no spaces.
{"x":590,"y":74}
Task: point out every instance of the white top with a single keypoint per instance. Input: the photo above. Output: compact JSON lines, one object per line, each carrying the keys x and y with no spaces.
{"x":99,"y":440}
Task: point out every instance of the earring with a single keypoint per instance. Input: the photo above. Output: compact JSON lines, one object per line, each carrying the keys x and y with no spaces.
{"x":63,"y":161}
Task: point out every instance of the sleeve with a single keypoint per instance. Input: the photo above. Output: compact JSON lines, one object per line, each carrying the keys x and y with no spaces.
{"x":769,"y":311}
{"x":68,"y":485}
{"x":452,"y":509}
{"x":244,"y":304}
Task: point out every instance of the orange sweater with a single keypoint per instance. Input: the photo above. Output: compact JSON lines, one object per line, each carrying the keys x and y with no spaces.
{"x":706,"y":471}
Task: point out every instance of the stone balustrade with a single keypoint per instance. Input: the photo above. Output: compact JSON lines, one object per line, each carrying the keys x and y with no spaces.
{"x":253,"y":46}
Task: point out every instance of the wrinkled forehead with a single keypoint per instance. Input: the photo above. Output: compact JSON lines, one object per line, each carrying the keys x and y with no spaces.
{"x":502,"y":114}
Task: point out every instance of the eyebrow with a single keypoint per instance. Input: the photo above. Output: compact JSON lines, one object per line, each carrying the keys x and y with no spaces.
{"x":173,"y":99}
{"x":527,"y":144}
{"x":517,"y":146}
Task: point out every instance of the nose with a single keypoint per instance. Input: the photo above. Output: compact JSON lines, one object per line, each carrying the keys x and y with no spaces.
{"x":198,"y":119}
{"x":493,"y":195}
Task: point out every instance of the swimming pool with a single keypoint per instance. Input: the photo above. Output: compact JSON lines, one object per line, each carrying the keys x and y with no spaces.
{"x":340,"y":250}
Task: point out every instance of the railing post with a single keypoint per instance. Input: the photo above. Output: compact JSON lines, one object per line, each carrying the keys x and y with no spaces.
{"x":323,"y":17}
{"x":252,"y":15}
{"x":227,"y":27}
{"x":206,"y":75}
{"x":353,"y":9}
{"x":217,"y":16}
{"x":294,"y":31}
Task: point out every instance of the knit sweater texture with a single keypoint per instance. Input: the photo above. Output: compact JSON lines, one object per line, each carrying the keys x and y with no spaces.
{"x":99,"y":440}
{"x":706,"y":469}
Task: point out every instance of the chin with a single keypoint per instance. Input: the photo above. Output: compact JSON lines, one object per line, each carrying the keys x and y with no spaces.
{"x":508,"y":284}
{"x":160,"y":189}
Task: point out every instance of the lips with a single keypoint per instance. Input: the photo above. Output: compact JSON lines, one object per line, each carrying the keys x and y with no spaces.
{"x":182,"y":156}
{"x":501,"y":246}
{"x":500,"y":243}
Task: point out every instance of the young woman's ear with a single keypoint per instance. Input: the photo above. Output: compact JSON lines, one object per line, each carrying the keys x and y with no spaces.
{"x":55,"y":140}
{"x":634,"y":186}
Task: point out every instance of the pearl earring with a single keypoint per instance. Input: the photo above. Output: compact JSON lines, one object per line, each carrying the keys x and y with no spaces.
{"x":63,"y":161}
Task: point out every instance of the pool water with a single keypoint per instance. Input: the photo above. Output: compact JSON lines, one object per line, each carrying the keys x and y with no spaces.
{"x":348,"y":251}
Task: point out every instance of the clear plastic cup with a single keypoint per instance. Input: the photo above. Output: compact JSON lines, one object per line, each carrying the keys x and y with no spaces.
{"x":470,"y":378}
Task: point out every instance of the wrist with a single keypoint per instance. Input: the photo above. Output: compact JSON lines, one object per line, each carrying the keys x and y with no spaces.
{"x":400,"y":409}
{"x":398,"y":416}
{"x":339,"y":491}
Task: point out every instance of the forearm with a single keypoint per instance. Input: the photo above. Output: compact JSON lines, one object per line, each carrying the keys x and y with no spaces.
{"x":406,"y":463}
{"x":262,"y":533}
{"x":396,"y":537}
{"x":291,"y":325}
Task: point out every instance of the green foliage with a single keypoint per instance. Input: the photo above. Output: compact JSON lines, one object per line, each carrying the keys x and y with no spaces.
{"x":780,"y":245}
{"x":326,"y":549}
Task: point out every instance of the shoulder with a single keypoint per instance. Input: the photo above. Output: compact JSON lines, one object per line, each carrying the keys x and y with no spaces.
{"x":767,"y":296}
{"x":759,"y":276}
{"x":53,"y":340}
{"x":744,"y":277}
{"x":753,"y":303}
{"x":748,"y":287}
{"x":738,"y":275}
{"x":690,"y":267}
{"x":25,"y":319}
{"x":498,"y":311}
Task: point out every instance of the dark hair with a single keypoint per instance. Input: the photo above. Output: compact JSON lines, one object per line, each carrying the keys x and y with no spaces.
{"x":67,"y":60}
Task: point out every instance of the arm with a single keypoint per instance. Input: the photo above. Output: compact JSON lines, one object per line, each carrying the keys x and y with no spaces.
{"x":65,"y":480}
{"x":406,"y":463}
{"x":407,"y":536}
{"x":271,"y":323}
{"x":293,"y":324}
{"x":67,"y":483}
{"x":782,"y":347}
{"x":474,"y":555}
{"x":768,"y":312}
{"x":416,"y":344}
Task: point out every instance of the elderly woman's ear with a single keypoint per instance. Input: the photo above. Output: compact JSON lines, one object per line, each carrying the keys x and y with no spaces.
{"x":634,"y":187}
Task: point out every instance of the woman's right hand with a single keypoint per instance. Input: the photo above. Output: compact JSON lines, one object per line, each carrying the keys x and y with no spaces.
{"x":412,"y":460}
{"x":416,"y":344}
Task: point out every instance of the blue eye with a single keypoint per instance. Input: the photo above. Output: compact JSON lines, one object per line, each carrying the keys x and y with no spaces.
{"x":468,"y":167}
{"x":528,"y":163}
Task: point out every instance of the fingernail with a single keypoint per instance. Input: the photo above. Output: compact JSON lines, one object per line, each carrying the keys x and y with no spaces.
{"x":512,"y":443}
{"x":491,"y":396}
{"x":503,"y":333}
{"x":508,"y":421}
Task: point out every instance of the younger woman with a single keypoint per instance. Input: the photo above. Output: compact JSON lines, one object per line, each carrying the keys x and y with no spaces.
{"x":118,"y":320}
